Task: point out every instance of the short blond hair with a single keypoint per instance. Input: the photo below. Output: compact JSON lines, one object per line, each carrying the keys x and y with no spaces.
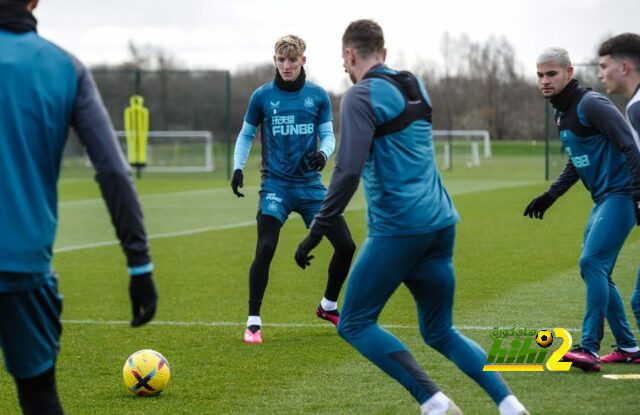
{"x":290,"y":46}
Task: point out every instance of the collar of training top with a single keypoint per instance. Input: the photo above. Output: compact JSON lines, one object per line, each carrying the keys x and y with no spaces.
{"x":563,"y":99}
{"x":15,"y":17}
{"x":290,"y":86}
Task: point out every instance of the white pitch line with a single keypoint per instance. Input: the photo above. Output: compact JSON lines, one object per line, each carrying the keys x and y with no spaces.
{"x":288,"y":325}
{"x":158,"y":236}
{"x":150,"y":196}
{"x":353,"y":207}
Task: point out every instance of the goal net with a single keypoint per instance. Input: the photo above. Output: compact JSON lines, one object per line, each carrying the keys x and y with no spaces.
{"x":177,"y":151}
{"x":465,"y":143}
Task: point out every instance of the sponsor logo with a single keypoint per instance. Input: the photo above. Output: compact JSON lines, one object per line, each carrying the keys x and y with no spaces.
{"x":286,"y":125}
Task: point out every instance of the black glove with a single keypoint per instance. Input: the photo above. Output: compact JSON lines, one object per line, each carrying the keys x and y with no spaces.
{"x":237,"y":181}
{"x":316,"y":160}
{"x":539,"y":205}
{"x":302,"y":253}
{"x":144,"y":298}
{"x":636,"y":205}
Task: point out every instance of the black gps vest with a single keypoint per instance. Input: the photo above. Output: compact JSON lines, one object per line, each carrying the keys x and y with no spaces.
{"x":416,"y":108}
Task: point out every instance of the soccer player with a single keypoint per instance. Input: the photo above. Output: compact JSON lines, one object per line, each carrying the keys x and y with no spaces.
{"x":293,"y":113}
{"x":603,"y":155}
{"x":386,"y":137}
{"x":620,"y":74}
{"x":44,"y":90}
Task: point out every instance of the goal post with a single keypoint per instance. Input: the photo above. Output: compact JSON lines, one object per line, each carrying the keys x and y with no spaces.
{"x":473,"y":137}
{"x":177,"y":151}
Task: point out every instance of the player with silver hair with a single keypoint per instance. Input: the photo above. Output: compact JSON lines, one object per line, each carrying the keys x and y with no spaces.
{"x":602,"y":154}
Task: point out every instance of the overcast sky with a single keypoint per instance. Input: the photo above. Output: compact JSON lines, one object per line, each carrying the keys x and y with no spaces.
{"x":236,"y":34}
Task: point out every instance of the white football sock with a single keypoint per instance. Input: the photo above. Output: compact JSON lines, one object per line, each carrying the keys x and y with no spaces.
{"x":328,"y":305}
{"x":630,"y":349}
{"x":254,"y":321}
{"x":511,"y":406}
{"x":438,"y":404}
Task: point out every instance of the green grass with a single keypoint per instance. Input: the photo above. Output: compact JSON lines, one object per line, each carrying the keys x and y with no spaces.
{"x":511,"y":272}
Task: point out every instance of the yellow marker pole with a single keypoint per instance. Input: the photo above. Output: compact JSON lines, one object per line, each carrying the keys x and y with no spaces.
{"x":136,"y":125}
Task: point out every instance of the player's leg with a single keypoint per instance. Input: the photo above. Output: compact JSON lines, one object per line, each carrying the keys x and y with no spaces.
{"x":381,"y":265}
{"x":432,"y":284}
{"x":308,"y":204}
{"x":273,"y":211}
{"x":607,"y":228}
{"x":29,"y":334}
{"x":627,"y":348}
{"x":344,"y":248}
{"x":268,"y":235}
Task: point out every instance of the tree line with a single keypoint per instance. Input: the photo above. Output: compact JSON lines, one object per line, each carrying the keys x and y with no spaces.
{"x":481,"y":86}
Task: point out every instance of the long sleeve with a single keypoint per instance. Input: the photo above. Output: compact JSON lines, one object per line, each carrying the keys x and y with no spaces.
{"x":357,"y":123}
{"x":565,"y":180}
{"x":243,"y":145}
{"x":93,"y":126}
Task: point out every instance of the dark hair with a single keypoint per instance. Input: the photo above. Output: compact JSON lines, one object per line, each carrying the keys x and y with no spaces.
{"x":626,"y":45}
{"x":365,"y":36}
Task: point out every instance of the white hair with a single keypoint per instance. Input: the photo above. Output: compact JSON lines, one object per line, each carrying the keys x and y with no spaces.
{"x":555,"y":54}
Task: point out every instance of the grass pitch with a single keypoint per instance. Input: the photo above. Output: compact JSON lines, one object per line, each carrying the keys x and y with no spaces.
{"x":511,"y":272}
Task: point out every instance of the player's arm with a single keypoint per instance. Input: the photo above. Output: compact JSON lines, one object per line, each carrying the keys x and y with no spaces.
{"x":244,"y":140}
{"x":240,"y":156}
{"x":318,"y":159}
{"x":357,"y":123}
{"x":91,"y":122}
{"x":567,"y":178}
{"x":540,"y":204}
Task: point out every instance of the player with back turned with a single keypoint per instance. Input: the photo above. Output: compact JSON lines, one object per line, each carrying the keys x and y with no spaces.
{"x":43,"y":91}
{"x":602,"y":154}
{"x":293,"y":113}
{"x":386,"y":137}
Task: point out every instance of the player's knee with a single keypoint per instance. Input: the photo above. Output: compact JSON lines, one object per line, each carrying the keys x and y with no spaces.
{"x":266,"y":249}
{"x":346,"y":330}
{"x":437,"y":338}
{"x":347,"y":248}
{"x":591,"y":266}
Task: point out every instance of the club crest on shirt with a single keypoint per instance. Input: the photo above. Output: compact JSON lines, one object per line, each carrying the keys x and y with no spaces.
{"x":308,"y":102}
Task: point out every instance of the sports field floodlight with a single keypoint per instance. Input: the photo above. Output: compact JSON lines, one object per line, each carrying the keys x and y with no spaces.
{"x":136,"y":125}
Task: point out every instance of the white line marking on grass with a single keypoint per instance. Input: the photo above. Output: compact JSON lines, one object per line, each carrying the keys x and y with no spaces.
{"x":149,"y":196}
{"x":158,"y":236}
{"x":353,"y":207}
{"x":628,"y":376}
{"x":288,"y":325}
